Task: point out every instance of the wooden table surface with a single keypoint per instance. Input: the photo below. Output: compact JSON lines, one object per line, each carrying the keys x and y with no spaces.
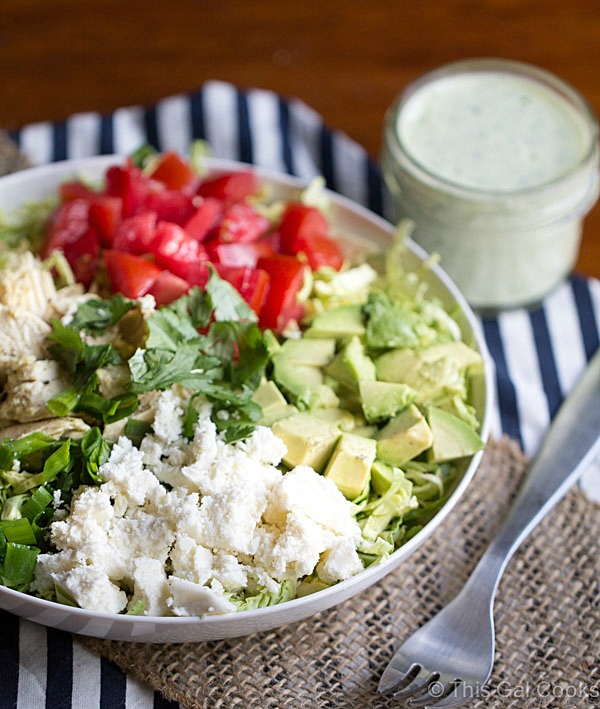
{"x":347,"y":59}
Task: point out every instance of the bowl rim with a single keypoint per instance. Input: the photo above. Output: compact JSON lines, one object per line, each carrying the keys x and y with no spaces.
{"x":327,"y":597}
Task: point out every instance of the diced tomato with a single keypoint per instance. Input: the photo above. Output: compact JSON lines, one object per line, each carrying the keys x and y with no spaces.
{"x":204,"y":218}
{"x":173,"y":171}
{"x":242,"y":223}
{"x":75,"y":189}
{"x":133,"y":276}
{"x":230,"y":187}
{"x":105,"y":214}
{"x":320,"y":250}
{"x":299,"y":221}
{"x":239,"y":255}
{"x":251,"y":283}
{"x":169,"y":205}
{"x":136,"y":234}
{"x":287,"y":276}
{"x":130,"y":184}
{"x":82,"y":256}
{"x":179,"y":253}
{"x":168,"y":287}
{"x":68,"y":223}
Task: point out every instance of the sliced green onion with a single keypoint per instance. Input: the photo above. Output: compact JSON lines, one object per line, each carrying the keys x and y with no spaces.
{"x":18,"y":568}
{"x":18,"y":531}
{"x":64,"y":402}
{"x":13,"y":507}
{"x":136,"y":429}
{"x":57,"y":462}
{"x":39,"y":500}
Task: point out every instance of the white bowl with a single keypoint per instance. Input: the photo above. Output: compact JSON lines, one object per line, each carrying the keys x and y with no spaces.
{"x":37,"y":183}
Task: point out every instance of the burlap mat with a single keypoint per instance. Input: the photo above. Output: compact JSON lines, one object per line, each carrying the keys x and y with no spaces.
{"x":547,"y":619}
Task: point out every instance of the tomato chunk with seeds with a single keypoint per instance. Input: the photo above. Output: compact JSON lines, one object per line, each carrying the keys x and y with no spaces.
{"x":68,"y":223}
{"x":320,"y":250}
{"x":168,"y":287}
{"x":239,"y":255}
{"x":105,"y":214}
{"x":242,"y":223}
{"x":173,"y":171}
{"x":230,"y":187}
{"x":286,"y":275}
{"x":251,"y":283}
{"x":299,"y":221}
{"x":178,"y":252}
{"x":136,"y":234}
{"x":130,"y":275}
{"x":202,"y":221}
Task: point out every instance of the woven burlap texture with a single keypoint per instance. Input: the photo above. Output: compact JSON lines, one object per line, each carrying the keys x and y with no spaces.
{"x":547,"y":619}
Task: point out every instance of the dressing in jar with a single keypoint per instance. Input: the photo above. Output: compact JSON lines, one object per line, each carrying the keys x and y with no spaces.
{"x":496,"y":163}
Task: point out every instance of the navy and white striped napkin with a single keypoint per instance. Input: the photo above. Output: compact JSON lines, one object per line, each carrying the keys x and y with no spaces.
{"x":538,"y":354}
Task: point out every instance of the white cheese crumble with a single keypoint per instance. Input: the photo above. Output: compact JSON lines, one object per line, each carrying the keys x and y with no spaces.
{"x":230,"y":522}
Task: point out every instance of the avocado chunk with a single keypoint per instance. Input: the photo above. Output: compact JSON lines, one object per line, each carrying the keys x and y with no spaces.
{"x":434,"y":373}
{"x":314,"y":352}
{"x":404,"y":437}
{"x":340,"y":322}
{"x":351,"y":365}
{"x":309,"y":440}
{"x":452,"y":437}
{"x":350,"y":465}
{"x":268,"y":396}
{"x":272,"y":402}
{"x":382,"y":400}
{"x":382,"y":476}
{"x":342,"y":418}
{"x":303,"y":383}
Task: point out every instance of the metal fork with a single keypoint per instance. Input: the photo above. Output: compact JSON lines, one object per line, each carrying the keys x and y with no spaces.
{"x":449,"y":659}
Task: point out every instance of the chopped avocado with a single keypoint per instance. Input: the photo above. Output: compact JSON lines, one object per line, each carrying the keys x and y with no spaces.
{"x":452,"y":437}
{"x":463,"y":355}
{"x":275,"y":414}
{"x":433,"y":375}
{"x":303,"y":383}
{"x":350,"y":464}
{"x":404,"y":437}
{"x":268,"y":396}
{"x":382,"y":400}
{"x":366,"y":431}
{"x":342,"y":418}
{"x":315,"y":352}
{"x":351,"y":365}
{"x":382,"y":476}
{"x":455,"y":405}
{"x":343,"y":321}
{"x":272,"y":402}
{"x":309,"y":440}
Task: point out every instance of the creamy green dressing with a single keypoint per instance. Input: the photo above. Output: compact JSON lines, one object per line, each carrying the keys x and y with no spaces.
{"x":492,"y":131}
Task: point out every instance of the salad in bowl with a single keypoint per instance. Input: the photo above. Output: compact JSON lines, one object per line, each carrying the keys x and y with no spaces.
{"x":228,"y":400}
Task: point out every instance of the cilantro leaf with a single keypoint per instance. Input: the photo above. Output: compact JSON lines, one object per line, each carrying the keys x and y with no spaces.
{"x":79,"y":359}
{"x":158,"y":369}
{"x":96,"y":315}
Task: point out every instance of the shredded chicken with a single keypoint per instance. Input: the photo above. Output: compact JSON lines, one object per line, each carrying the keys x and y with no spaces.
{"x":69,"y":427}
{"x":29,"y":388}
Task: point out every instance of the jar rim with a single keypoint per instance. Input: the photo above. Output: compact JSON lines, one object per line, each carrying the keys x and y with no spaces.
{"x":545,"y":78}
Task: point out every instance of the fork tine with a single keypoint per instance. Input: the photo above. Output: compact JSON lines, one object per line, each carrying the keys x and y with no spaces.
{"x":395,"y":679}
{"x":437,"y":692}
{"x":418,"y":689}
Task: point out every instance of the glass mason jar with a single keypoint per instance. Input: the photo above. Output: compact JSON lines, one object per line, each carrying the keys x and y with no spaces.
{"x":496,"y":163}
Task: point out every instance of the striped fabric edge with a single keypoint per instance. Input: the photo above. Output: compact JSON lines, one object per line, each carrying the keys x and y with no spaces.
{"x":537,"y":354}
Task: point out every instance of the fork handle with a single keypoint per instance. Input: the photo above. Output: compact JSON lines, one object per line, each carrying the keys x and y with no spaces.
{"x":571,"y":444}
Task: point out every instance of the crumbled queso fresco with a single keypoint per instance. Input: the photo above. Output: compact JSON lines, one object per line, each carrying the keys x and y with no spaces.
{"x":227,"y":520}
